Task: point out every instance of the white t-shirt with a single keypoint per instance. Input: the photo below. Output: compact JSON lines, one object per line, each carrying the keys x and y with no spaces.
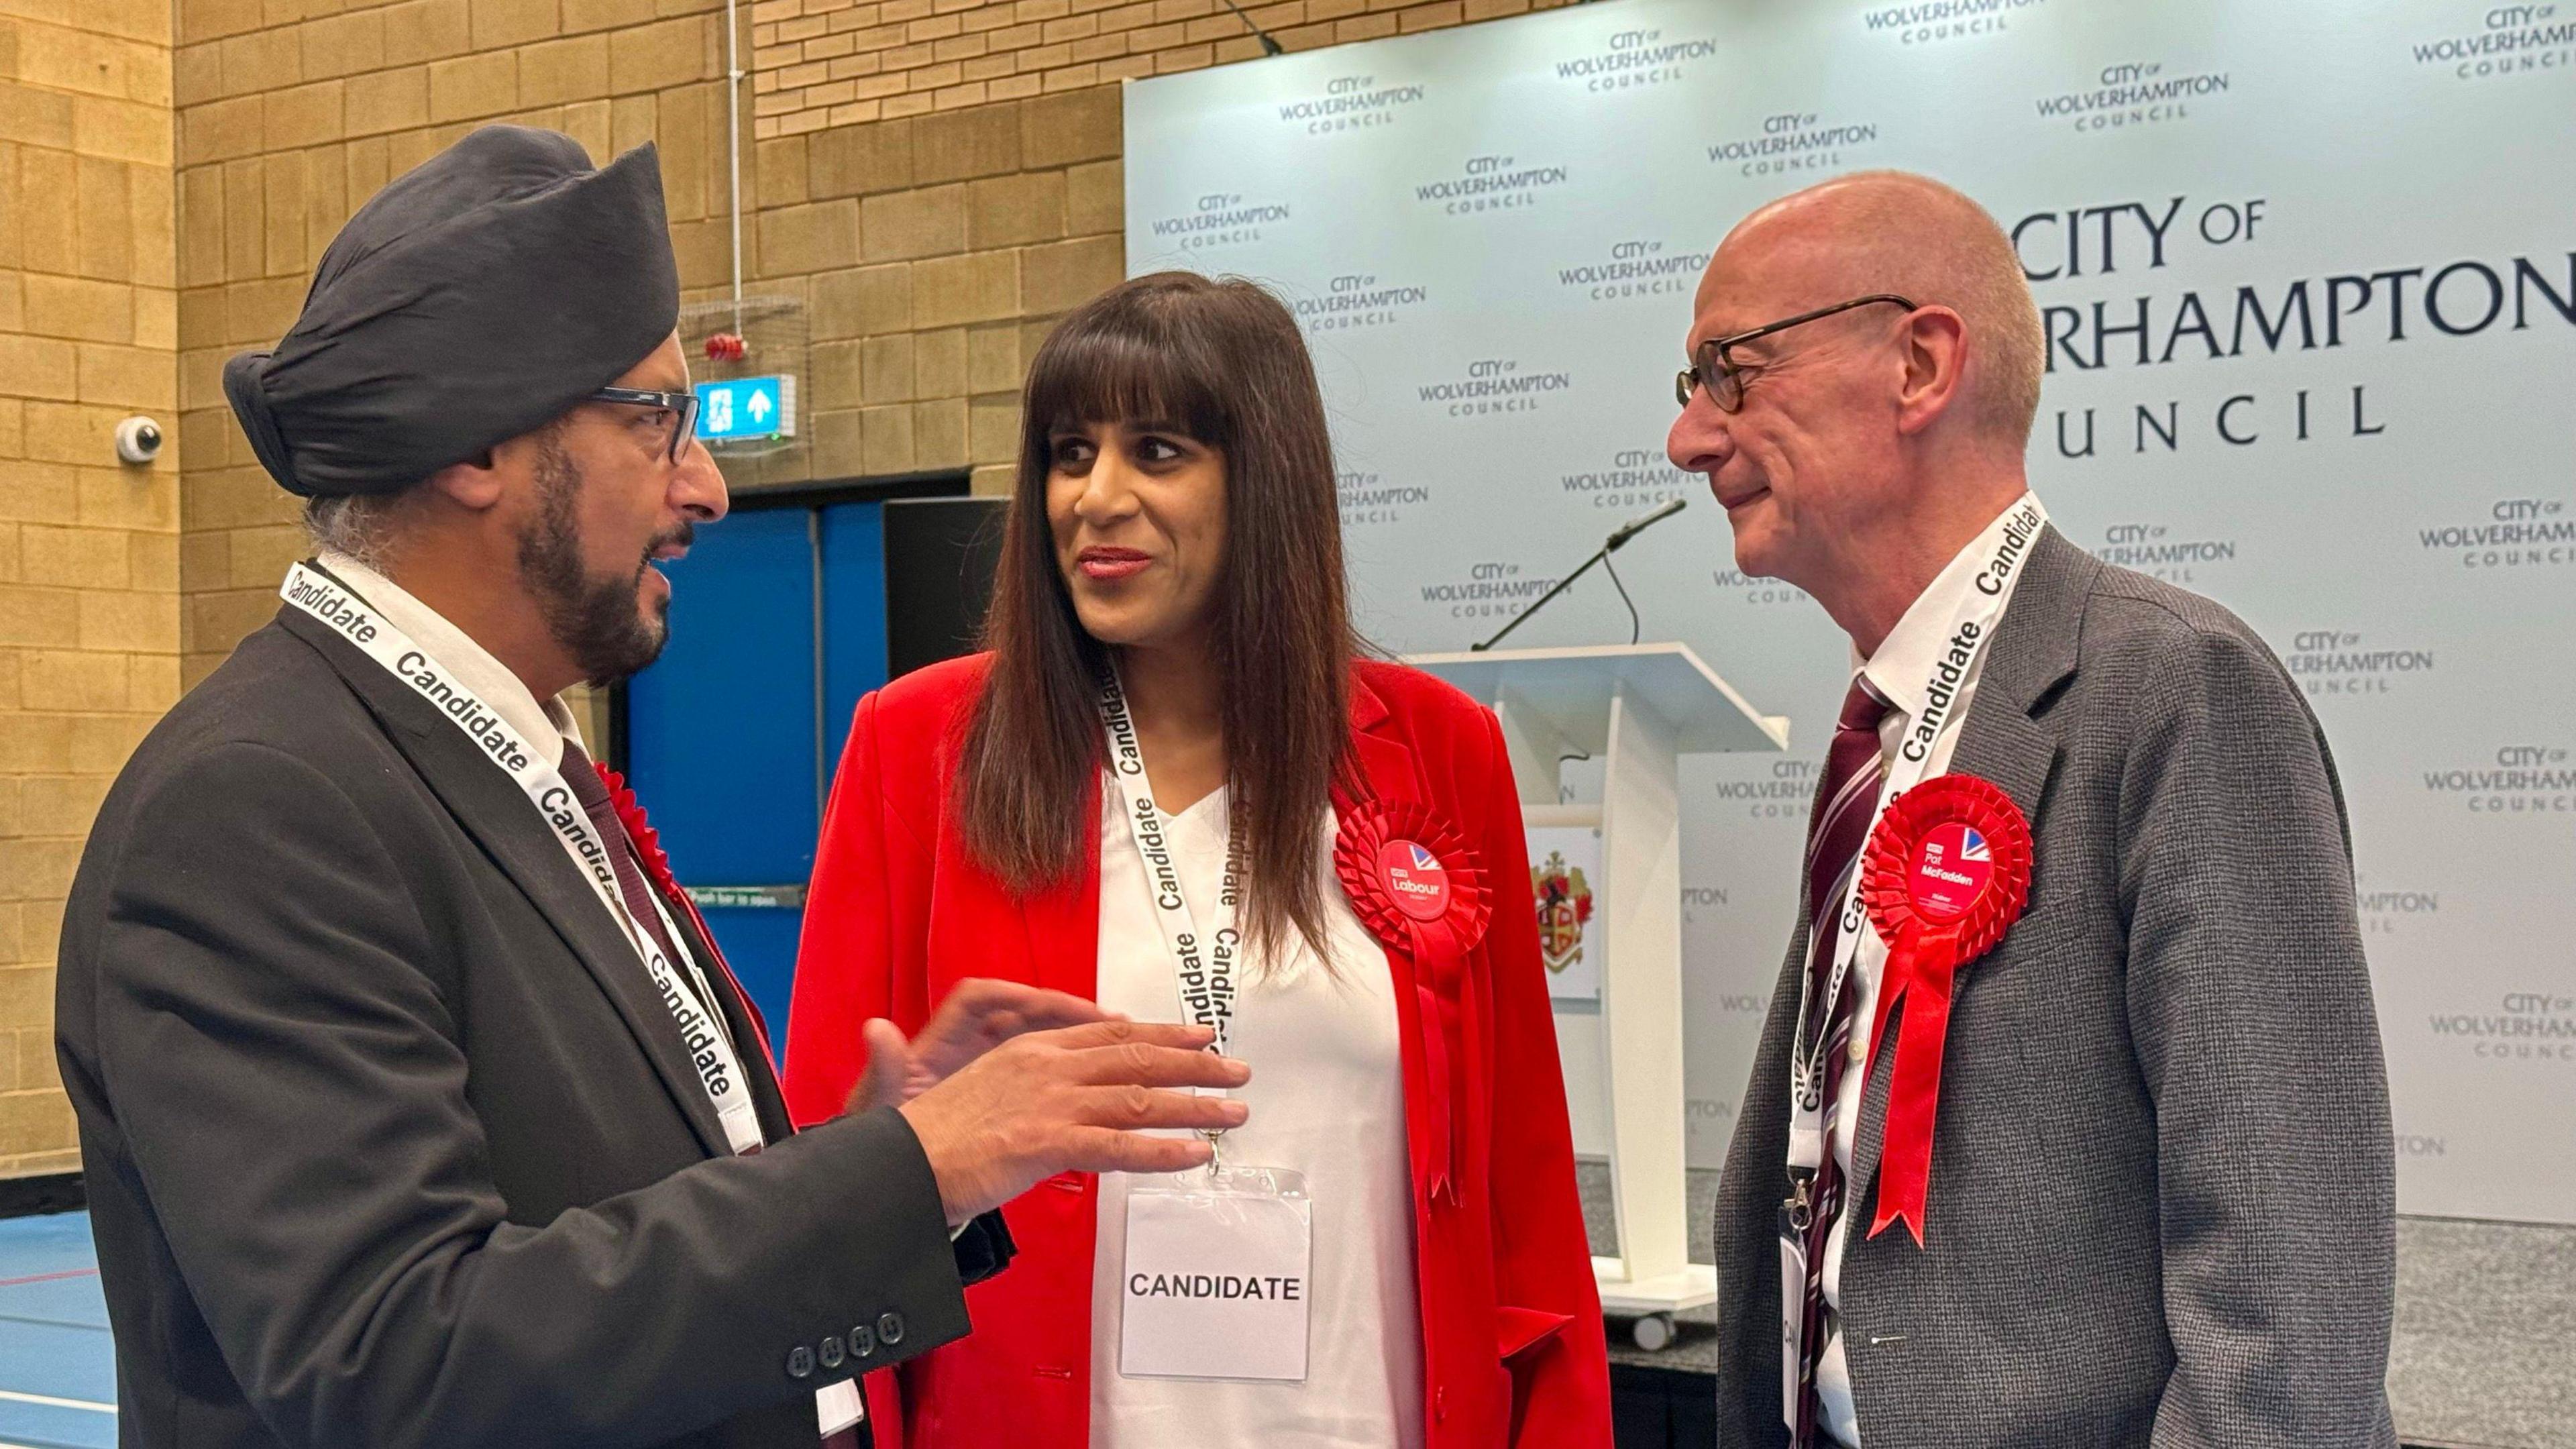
{"x":1327,"y":1100}
{"x":1897,"y":671}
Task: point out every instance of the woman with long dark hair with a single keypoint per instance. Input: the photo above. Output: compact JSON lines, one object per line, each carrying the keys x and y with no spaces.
{"x":1174,"y":784}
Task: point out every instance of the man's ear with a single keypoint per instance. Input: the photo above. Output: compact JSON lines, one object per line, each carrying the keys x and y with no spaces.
{"x":1935,"y":344}
{"x":474,"y":485}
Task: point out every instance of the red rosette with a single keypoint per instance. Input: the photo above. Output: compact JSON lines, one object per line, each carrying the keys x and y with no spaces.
{"x":1946,"y":873}
{"x":1420,"y":888}
{"x":1434,"y":911}
{"x":639,"y":831}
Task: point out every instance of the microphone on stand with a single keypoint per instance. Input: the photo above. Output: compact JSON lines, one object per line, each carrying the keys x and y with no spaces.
{"x":1617,"y":539}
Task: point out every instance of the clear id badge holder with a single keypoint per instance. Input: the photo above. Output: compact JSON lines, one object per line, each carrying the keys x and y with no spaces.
{"x":1217,"y":1276}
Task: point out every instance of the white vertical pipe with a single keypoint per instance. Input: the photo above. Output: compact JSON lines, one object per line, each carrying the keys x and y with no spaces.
{"x":733,"y":149}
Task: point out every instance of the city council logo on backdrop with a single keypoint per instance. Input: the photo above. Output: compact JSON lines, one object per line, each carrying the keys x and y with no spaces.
{"x":2151,"y":549}
{"x":1494,"y":387}
{"x":1490,"y":184}
{"x":1636,"y":478}
{"x":1219,"y":219}
{"x":2517,"y":533}
{"x":1635,"y":59}
{"x":1635,"y":269}
{"x":1368,"y":500}
{"x":1791,"y":142}
{"x":1933,"y":21}
{"x":2339,"y":663}
{"x":1350,"y":103}
{"x":2507,"y":40}
{"x":2129,"y":95}
{"x":1357,"y":300}
{"x":2522,"y":1026}
{"x":2519,"y":779}
{"x":1494,"y":588}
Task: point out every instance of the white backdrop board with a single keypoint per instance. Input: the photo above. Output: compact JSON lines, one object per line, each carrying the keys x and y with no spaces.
{"x":2309,"y":272}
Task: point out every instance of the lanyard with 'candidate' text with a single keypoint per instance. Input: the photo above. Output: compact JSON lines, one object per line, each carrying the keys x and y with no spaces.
{"x":1203,"y":965}
{"x":692,"y":1008}
{"x":1970,"y":628}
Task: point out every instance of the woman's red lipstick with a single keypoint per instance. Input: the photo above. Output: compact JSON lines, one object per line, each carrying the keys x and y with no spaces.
{"x":1109,"y":564}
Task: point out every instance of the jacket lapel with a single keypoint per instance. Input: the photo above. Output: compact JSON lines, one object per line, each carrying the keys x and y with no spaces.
{"x":489,"y":805}
{"x":1385,"y":762}
{"x":2034,"y":649}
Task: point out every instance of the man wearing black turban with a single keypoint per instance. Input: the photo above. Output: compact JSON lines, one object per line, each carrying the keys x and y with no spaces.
{"x":417,"y":1105}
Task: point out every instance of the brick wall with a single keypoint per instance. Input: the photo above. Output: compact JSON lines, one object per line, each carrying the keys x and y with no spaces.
{"x":933,"y":253}
{"x":825,"y":63}
{"x":89,"y":550}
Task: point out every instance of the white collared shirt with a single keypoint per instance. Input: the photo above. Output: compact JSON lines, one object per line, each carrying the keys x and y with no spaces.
{"x":1897,"y":671}
{"x":470,"y":663}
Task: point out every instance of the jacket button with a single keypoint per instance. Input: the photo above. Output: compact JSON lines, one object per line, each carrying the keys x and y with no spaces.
{"x":1440,"y":1404}
{"x":890,"y":1329}
{"x":831,"y":1351}
{"x":863,"y":1340}
{"x":800,"y":1362}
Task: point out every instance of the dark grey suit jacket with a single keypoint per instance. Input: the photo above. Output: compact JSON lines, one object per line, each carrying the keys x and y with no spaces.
{"x":2162,"y":1207}
{"x":389,"y":1141}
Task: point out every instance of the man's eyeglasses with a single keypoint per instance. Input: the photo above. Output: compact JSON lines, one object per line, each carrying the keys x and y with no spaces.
{"x":1712,"y":366}
{"x":682,"y":406}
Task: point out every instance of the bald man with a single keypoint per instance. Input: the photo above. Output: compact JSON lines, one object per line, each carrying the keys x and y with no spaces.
{"x":2149,"y":1199}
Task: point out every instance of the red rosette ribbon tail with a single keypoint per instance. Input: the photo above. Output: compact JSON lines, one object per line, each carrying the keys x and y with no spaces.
{"x":1946,"y":874}
{"x":1420,"y":889}
{"x":657,"y":869}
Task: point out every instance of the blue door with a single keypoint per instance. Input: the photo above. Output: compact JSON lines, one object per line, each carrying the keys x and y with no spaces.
{"x":777,"y":627}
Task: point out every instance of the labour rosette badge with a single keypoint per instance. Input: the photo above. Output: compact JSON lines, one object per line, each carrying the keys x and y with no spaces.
{"x":1946,"y":874}
{"x":1413,"y":882}
{"x":1418,"y":887}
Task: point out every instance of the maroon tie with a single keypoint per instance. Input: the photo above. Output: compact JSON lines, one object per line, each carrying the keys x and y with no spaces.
{"x":583,"y":777}
{"x":1846,"y":802}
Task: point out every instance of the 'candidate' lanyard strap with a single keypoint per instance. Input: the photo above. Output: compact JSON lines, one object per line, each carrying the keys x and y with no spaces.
{"x":1203,"y":966}
{"x":1971,"y":627}
{"x":711,"y":1051}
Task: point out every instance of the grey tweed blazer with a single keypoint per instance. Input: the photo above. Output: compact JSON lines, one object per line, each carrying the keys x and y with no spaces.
{"x":2162,"y":1201}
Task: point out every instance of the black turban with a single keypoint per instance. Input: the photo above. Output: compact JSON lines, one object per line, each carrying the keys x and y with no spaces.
{"x":479,"y":296}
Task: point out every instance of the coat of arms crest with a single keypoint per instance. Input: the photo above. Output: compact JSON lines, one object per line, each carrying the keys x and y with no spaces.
{"x":1564,"y":904}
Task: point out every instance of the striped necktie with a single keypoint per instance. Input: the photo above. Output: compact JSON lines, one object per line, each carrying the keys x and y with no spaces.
{"x":1846,"y":802}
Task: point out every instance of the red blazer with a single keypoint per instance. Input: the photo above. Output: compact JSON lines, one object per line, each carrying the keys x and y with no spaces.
{"x":898,"y":913}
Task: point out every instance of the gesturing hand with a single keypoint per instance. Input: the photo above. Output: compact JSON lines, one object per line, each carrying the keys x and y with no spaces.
{"x":1077,"y":1099}
{"x":979,"y":1015}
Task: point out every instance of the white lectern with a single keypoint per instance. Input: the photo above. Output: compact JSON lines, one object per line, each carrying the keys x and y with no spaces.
{"x":1637,"y":707}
